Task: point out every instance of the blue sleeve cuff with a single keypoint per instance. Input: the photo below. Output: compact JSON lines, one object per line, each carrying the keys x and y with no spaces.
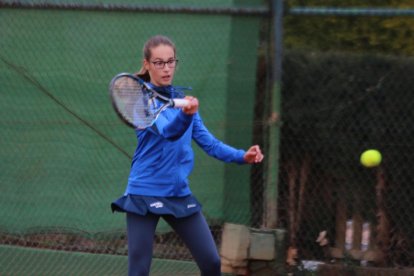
{"x":240,"y":157}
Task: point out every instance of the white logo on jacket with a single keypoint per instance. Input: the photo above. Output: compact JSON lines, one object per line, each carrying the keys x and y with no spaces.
{"x":191,"y":206}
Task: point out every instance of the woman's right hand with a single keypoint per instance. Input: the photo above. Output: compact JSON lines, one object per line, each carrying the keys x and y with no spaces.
{"x":192,"y":106}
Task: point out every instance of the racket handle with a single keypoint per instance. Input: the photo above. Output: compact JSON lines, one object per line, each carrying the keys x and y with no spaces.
{"x":180,"y":103}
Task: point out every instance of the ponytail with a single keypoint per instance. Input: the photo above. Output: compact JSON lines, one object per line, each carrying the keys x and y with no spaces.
{"x":143,"y":74}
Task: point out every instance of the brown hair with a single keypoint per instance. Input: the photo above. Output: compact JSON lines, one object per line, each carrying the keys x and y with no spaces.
{"x":146,"y":52}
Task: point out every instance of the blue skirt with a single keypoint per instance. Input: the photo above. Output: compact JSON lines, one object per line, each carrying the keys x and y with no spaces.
{"x":178,"y":207}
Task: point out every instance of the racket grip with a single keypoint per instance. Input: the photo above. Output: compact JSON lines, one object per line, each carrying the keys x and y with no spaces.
{"x":180,"y":103}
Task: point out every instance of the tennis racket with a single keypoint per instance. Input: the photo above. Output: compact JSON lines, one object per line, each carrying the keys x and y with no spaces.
{"x":137,"y":103}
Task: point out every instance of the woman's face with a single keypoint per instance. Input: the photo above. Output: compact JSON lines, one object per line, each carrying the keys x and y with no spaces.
{"x":161,"y":66}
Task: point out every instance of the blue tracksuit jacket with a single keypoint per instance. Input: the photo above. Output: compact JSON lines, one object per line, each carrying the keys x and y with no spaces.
{"x":164,"y":159}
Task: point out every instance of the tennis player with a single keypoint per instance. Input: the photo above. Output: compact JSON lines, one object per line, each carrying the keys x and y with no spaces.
{"x":163,"y":160}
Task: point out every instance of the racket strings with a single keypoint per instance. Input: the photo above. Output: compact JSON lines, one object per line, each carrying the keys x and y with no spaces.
{"x":133,"y":104}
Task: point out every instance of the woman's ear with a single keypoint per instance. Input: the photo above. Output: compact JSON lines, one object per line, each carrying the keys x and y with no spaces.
{"x":145,"y":64}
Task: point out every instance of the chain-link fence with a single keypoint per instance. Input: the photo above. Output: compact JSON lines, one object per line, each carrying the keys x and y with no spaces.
{"x":65,"y":156}
{"x":346,"y":87}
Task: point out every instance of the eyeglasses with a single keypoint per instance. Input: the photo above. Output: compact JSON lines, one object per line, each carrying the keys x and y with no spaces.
{"x":159,"y":64}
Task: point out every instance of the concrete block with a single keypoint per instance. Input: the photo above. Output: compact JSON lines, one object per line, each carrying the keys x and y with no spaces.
{"x":262,"y":246}
{"x":235,"y":242}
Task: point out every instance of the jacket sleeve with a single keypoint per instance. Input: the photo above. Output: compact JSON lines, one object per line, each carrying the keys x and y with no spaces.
{"x":214,"y":147}
{"x":174,"y":129}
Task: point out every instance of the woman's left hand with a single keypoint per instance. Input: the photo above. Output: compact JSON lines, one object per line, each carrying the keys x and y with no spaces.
{"x":253,"y":155}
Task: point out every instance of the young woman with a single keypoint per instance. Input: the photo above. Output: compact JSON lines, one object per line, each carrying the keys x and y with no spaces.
{"x":158,"y":181}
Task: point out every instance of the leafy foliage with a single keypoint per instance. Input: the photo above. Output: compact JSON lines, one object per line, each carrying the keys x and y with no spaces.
{"x":392,"y":35}
{"x":336,"y":105}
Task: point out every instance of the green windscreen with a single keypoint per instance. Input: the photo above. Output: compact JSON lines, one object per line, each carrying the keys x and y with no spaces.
{"x":65,"y":155}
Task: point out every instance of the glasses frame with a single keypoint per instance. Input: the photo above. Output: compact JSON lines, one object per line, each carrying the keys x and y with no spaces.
{"x":165,"y":63}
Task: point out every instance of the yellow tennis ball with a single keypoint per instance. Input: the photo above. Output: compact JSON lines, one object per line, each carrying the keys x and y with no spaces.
{"x":371,"y":158}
